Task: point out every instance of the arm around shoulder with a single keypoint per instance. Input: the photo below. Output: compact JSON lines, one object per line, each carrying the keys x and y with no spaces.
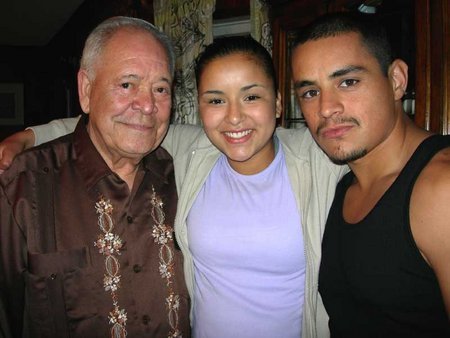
{"x":180,"y":138}
{"x":54,"y":129}
{"x":13,"y":145}
{"x":33,"y":136}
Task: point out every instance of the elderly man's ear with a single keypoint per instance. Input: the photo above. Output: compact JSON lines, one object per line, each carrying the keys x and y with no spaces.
{"x":84,"y":90}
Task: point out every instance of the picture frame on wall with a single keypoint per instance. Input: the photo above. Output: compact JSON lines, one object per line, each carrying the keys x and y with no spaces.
{"x":11,"y":104}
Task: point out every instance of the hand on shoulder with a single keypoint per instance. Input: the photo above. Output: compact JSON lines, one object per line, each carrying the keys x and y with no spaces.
{"x":13,"y":145}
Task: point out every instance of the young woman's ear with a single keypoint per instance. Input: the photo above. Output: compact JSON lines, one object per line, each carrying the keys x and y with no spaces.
{"x":398,"y":74}
{"x":278,"y":105}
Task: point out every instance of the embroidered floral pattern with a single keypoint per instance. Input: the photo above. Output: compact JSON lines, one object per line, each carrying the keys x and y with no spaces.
{"x":109,"y":245}
{"x":163,"y":234}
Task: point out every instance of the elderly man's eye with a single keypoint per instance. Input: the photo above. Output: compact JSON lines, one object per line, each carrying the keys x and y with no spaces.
{"x":162,"y":90}
{"x":126,"y":85}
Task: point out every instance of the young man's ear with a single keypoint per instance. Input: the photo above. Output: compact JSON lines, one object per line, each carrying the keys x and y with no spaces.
{"x":84,"y":90}
{"x":278,"y":105}
{"x":398,"y":73}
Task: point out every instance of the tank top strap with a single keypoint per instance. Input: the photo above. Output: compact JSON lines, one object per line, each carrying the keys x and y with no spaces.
{"x":420,"y":158}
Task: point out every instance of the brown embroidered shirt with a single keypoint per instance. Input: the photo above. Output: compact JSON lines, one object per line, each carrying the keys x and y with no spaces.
{"x":51,"y":274}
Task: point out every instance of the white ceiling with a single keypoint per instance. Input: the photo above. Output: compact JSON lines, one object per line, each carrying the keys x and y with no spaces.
{"x":33,"y":22}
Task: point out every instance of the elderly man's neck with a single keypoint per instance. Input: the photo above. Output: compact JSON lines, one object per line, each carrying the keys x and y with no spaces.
{"x":124,"y":165}
{"x":126,"y":168}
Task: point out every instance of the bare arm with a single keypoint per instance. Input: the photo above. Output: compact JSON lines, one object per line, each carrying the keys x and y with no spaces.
{"x":430,"y":219}
{"x":18,"y":142}
{"x":13,"y":145}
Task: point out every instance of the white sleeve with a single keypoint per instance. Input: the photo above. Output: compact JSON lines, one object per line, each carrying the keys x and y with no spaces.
{"x":54,"y":129}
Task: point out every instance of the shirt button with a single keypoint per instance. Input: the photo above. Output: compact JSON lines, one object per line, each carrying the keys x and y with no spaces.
{"x":145,"y":319}
{"x":53,"y":276}
{"x":137,"y":268}
{"x":129,"y":219}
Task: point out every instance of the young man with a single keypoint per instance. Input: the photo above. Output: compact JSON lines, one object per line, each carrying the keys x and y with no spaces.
{"x":385,"y":268}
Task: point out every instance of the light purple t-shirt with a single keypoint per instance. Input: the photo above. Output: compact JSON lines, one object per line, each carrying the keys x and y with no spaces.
{"x":245,"y":236}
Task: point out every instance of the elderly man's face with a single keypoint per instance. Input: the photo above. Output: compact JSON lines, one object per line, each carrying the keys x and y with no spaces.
{"x":129,"y":96}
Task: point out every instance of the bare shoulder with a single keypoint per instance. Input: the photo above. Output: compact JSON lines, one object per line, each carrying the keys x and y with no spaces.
{"x":430,"y":218}
{"x":436,"y":172}
{"x":434,"y":181}
{"x":430,"y":200}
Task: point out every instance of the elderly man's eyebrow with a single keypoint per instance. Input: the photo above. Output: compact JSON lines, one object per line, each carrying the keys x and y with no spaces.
{"x":165,"y":79}
{"x":129,"y":77}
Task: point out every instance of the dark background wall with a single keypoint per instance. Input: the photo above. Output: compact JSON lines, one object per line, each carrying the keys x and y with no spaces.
{"x":48,"y":73}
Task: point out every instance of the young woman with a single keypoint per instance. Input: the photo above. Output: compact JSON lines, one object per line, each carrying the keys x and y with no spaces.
{"x":252,"y":202}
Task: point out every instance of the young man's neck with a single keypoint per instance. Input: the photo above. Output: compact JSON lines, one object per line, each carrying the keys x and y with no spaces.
{"x":387,"y":159}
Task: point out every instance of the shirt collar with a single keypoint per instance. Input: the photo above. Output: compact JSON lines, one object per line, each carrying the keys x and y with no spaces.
{"x":93,"y":167}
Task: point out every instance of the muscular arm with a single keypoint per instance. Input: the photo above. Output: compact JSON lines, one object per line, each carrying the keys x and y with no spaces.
{"x":430,"y":219}
{"x":16,"y":143}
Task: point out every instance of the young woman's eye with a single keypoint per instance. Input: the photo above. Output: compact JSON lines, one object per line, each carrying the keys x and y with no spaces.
{"x":349,"y":82}
{"x":215,"y":101}
{"x":252,"y":97}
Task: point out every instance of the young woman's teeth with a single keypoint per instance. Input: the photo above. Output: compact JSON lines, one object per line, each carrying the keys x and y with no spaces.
{"x":238,"y":134}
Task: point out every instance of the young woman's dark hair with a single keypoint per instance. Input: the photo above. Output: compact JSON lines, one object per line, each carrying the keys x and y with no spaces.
{"x":237,"y":45}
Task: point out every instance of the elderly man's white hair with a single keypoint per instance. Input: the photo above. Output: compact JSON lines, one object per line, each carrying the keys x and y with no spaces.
{"x":101,"y":34}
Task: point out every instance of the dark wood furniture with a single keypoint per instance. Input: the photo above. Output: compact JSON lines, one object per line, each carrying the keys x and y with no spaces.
{"x":420,"y":28}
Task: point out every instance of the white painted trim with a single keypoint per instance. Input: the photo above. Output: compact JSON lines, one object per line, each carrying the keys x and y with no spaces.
{"x":234,"y":26}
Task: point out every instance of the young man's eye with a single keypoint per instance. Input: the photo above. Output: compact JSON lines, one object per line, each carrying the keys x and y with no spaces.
{"x":349,"y":82}
{"x":309,"y":94}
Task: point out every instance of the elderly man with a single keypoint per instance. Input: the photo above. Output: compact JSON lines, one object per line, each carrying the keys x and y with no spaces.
{"x":87,"y":244}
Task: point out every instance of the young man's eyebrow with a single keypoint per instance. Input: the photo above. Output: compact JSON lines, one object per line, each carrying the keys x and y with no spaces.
{"x":304,"y":83}
{"x":335,"y":74}
{"x":346,"y":70}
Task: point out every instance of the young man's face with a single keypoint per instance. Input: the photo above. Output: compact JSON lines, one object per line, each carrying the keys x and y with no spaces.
{"x":346,"y":99}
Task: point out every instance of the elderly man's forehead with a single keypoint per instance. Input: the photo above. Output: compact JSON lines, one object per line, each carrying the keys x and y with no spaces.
{"x":126,"y":39}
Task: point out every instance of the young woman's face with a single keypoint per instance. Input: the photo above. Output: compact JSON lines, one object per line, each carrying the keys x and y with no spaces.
{"x":238,"y":107}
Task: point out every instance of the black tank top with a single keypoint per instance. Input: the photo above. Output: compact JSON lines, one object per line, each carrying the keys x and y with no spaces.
{"x":373,"y":280}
